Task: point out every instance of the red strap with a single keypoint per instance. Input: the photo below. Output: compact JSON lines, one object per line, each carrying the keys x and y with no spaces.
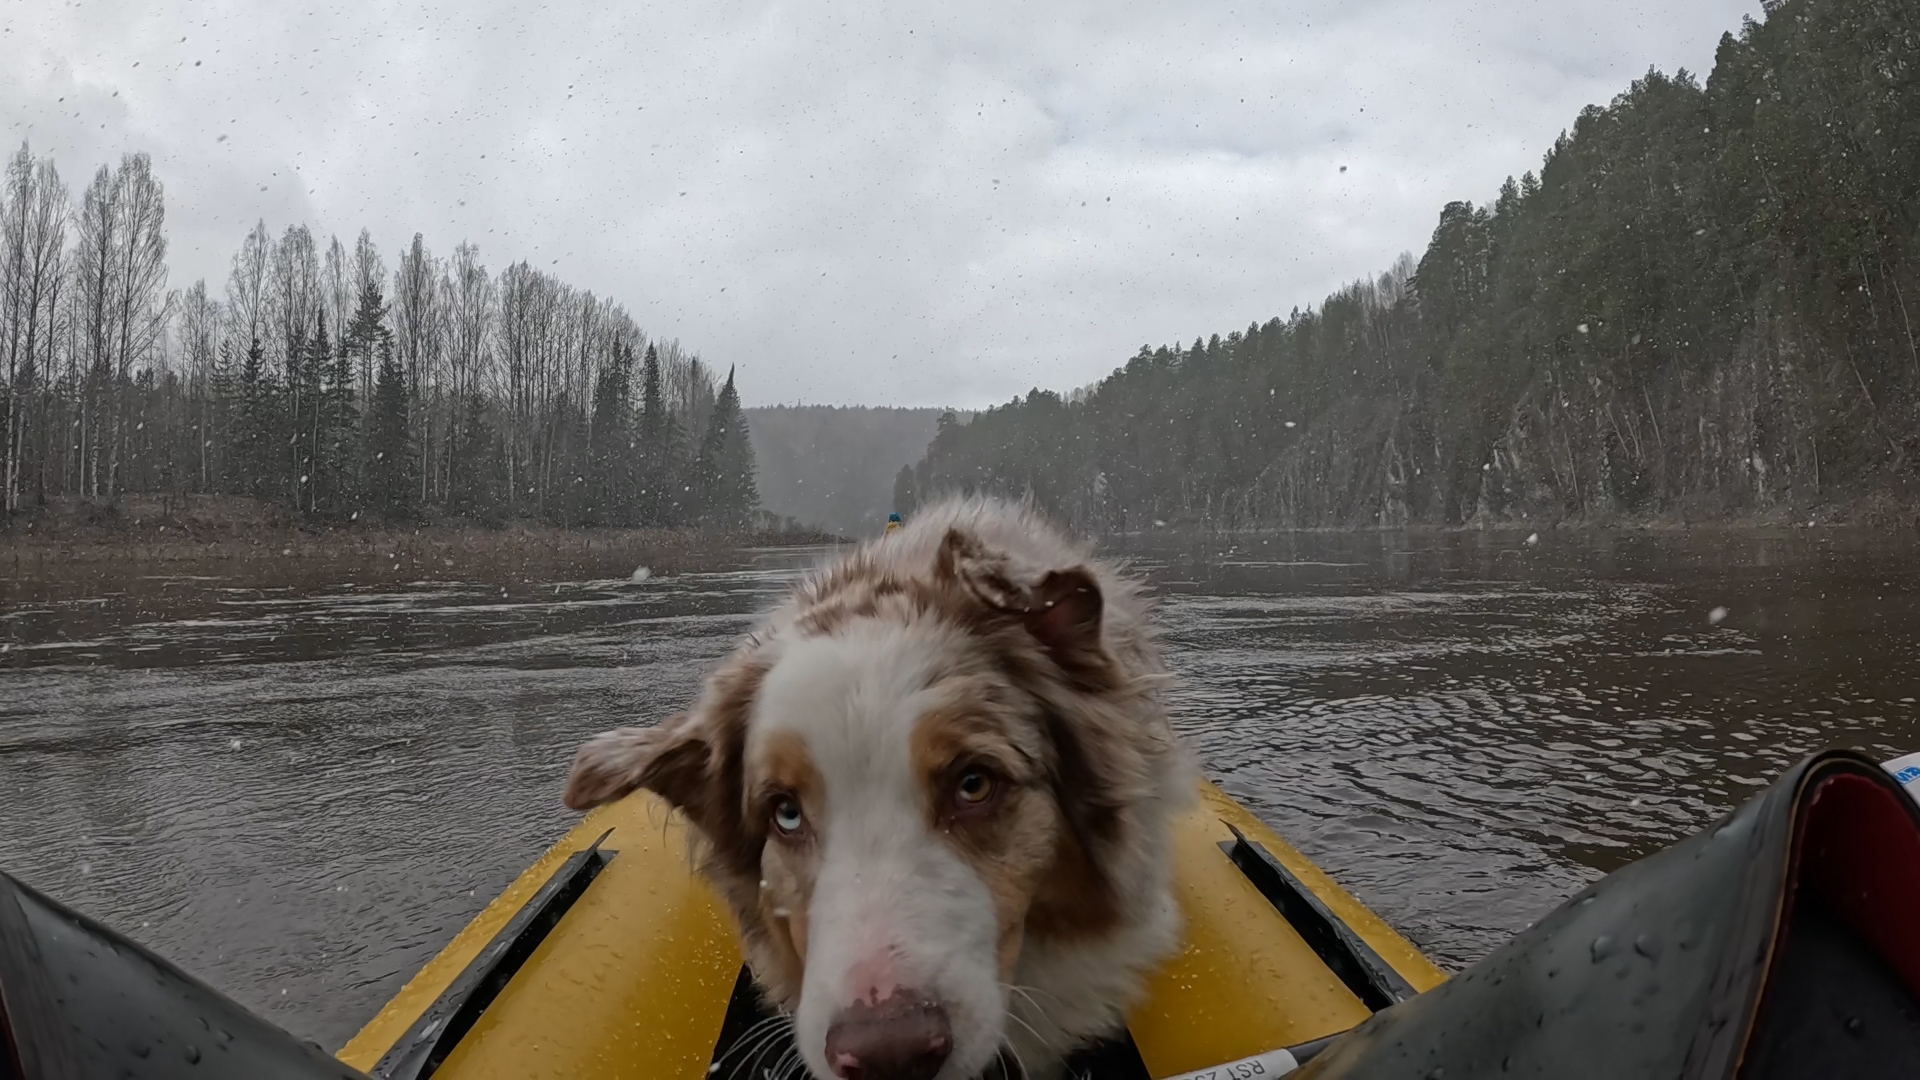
{"x":1860,"y":854}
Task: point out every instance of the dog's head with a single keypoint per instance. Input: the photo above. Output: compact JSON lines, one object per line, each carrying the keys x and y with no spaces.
{"x":909,"y":778}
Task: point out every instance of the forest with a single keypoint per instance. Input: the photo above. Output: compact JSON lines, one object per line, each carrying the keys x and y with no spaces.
{"x":1701,"y":306}
{"x":319,"y":381}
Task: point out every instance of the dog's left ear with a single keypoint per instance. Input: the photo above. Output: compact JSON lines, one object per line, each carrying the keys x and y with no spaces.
{"x":670,"y":758}
{"x":1064,"y":611}
{"x":691,"y":759}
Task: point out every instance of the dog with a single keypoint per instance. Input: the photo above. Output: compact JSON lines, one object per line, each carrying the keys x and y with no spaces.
{"x":936,"y":788}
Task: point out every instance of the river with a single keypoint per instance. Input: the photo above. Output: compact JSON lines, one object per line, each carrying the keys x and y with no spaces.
{"x":300,"y":789}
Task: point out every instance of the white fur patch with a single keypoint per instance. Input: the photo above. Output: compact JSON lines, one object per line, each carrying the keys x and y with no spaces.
{"x":894,"y":908}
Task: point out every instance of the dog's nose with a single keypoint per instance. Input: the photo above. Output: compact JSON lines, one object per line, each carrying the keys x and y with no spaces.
{"x":905,"y":1037}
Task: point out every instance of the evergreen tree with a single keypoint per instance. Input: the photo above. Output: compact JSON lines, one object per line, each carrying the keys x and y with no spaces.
{"x":331,"y":437}
{"x":726,"y":495}
{"x":660,"y":469}
{"x":613,"y":484}
{"x":257,"y":464}
{"x":360,"y":341}
{"x":221,"y":435}
{"x":389,"y":466}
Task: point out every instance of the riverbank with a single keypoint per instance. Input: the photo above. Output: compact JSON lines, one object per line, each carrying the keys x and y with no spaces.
{"x":223,"y":536}
{"x":1880,"y":513}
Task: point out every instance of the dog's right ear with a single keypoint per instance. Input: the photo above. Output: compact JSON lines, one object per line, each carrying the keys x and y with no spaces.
{"x":670,"y":760}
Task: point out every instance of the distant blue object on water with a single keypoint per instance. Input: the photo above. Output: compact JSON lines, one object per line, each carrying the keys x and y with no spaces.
{"x":895,"y":518}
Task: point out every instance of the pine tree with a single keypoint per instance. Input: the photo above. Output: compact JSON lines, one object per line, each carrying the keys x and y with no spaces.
{"x":612,"y":482}
{"x":389,"y":465}
{"x":338,"y":431}
{"x":660,"y":480}
{"x":221,"y":434}
{"x":326,"y":426}
{"x":363,"y":333}
{"x":257,"y":462}
{"x":726,"y":496}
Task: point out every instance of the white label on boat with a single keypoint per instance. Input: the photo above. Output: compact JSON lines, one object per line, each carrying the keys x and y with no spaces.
{"x":1907,"y":771}
{"x":1271,"y":1063}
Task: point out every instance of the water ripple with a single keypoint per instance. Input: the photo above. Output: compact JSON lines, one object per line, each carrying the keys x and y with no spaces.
{"x":300,"y":791}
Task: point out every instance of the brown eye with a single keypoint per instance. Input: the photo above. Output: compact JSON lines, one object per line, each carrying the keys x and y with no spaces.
{"x":975,"y":787}
{"x":786,"y":815}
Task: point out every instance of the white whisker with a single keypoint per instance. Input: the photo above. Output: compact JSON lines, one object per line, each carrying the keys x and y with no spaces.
{"x":754,"y":1043}
{"x":1007,"y":1050}
{"x":790,"y":1063}
{"x":769,"y":1043}
{"x":1030,"y":1029}
{"x":1026,"y":995}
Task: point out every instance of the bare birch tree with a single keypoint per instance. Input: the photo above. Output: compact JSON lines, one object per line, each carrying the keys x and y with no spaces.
{"x":336,"y":284}
{"x":199,"y":330}
{"x":33,"y":236}
{"x":293,"y":301}
{"x":509,"y":395}
{"x":468,"y":315}
{"x":92,"y":321}
{"x":367,"y":269}
{"x":246,"y":306}
{"x":417,"y":326}
{"x":140,"y":297}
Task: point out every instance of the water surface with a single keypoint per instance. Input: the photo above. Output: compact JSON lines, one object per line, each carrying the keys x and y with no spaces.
{"x":301,"y":789}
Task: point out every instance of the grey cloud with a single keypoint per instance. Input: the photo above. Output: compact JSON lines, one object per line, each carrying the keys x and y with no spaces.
{"x":883,"y":203}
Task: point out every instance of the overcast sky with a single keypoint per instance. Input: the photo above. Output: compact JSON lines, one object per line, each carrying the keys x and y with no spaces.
{"x":884,"y":203}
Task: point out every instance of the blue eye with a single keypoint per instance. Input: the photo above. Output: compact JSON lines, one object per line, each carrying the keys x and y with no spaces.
{"x":786,"y":815}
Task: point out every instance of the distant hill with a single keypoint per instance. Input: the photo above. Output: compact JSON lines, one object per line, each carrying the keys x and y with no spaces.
{"x":834,"y":467}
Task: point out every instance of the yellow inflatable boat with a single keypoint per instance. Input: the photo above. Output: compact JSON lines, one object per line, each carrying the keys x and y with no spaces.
{"x":610,"y":959}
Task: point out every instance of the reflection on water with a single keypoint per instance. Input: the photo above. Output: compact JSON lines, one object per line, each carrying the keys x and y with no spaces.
{"x":301,"y":790}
